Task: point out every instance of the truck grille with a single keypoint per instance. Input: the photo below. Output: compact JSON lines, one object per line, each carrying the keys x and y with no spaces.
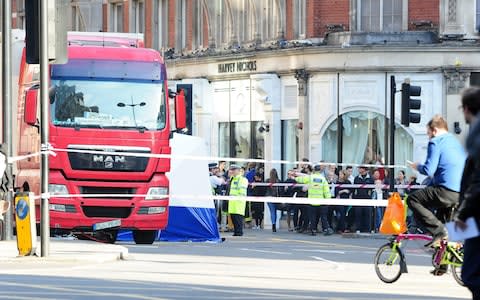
{"x":108,"y":162}
{"x":107,"y":212}
{"x":92,"y":190}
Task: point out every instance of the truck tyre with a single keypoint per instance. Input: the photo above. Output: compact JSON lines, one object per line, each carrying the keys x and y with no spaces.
{"x":144,"y":237}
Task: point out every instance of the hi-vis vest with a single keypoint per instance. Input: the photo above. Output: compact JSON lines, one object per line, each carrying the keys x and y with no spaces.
{"x":317,"y":186}
{"x":238,"y":187}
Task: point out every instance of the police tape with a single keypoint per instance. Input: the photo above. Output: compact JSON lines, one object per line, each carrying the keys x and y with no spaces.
{"x":48,"y":149}
{"x":341,"y":185}
{"x":216,"y":158}
{"x":286,"y":200}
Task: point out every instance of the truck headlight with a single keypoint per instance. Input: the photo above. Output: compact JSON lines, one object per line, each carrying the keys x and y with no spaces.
{"x":157,"y":193}
{"x":57,"y":189}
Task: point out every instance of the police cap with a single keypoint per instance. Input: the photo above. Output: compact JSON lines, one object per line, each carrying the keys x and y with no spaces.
{"x":212,"y":165}
{"x":234,"y":167}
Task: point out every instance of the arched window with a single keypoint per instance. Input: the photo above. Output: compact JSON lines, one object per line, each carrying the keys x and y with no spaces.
{"x":362,"y":140}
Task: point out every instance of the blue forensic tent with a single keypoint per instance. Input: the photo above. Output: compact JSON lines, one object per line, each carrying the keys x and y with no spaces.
{"x":189,"y":219}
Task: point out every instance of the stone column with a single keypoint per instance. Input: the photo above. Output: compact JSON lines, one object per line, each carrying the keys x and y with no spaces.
{"x":452,"y":18}
{"x":456,"y":80}
{"x":302,"y":77}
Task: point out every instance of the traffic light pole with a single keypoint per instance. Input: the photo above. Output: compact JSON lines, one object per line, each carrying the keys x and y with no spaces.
{"x":7,"y":110}
{"x":393,"y":90}
{"x":44,"y":123}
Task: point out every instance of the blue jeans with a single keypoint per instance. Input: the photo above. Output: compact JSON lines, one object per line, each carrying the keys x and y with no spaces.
{"x":378,"y":217}
{"x":273,"y":212}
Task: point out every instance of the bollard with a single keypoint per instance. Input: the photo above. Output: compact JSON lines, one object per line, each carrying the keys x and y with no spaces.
{"x":25,"y":223}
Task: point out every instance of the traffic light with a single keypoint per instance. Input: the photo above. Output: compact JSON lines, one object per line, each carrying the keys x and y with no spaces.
{"x":57,"y":32}
{"x":409,"y":104}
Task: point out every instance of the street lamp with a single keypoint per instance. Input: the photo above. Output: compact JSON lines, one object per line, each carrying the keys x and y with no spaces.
{"x":121,"y":104}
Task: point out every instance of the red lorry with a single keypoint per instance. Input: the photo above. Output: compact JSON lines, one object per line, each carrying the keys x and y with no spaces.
{"x":109,"y":103}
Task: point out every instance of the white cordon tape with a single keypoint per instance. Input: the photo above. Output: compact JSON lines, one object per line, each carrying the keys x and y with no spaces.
{"x":364,"y":186}
{"x":13,"y":159}
{"x":216,"y":158}
{"x":289,"y":200}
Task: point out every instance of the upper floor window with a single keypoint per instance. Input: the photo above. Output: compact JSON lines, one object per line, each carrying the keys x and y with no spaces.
{"x":181,"y":25}
{"x":86,"y":15}
{"x":116,"y":16}
{"x":477,"y":16}
{"x":380,"y":15}
{"x":21,"y":14}
{"x":270,"y":20}
{"x":198,"y":26}
{"x":160,"y":28}
{"x":299,"y":18}
{"x":138,"y":16}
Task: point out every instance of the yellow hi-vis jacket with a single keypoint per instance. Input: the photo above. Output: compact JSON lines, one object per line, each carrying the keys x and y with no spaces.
{"x":238,"y":187}
{"x":317,"y":186}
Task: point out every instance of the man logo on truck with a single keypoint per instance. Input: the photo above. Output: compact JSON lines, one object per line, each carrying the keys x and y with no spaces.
{"x":109,"y":160}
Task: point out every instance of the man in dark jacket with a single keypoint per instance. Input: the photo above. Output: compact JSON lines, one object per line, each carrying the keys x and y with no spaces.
{"x":470,"y":191}
{"x":363,"y":214}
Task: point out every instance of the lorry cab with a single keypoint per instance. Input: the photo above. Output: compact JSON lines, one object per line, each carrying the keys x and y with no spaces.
{"x":109,"y":125}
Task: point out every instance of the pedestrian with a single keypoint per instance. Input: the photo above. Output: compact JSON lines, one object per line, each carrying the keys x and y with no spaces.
{"x":273,"y":191}
{"x":401,"y":180}
{"x":341,"y":193}
{"x":470,"y":192}
{"x":444,"y":165}
{"x":236,"y":208}
{"x":318,"y":188}
{"x":258,"y":207}
{"x":363,"y":214}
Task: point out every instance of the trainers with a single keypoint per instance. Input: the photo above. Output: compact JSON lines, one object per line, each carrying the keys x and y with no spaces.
{"x":442,"y":269}
{"x":329,"y":231}
{"x":437,"y":238}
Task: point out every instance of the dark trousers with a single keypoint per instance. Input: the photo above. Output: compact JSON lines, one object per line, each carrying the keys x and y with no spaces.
{"x":471,"y":266}
{"x":339,"y":215}
{"x":304,"y":216}
{"x":363,"y":218}
{"x":316,"y":213}
{"x":237,"y":221}
{"x":433,"y":197}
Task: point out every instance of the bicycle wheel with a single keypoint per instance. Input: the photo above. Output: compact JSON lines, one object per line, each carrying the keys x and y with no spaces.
{"x":456,"y":267}
{"x":388,"y":263}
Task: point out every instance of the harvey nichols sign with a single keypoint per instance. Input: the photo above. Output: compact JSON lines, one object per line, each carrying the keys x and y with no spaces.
{"x":240,"y":66}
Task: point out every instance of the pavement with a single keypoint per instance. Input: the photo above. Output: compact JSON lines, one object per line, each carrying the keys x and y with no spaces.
{"x":62,"y":250}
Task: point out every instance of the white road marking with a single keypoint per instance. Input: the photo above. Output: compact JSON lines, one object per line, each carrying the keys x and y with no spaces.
{"x":320,"y":250}
{"x":335,"y":264}
{"x":266,"y":251}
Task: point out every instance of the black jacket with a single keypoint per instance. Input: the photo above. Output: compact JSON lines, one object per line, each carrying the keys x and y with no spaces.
{"x":470,"y":186}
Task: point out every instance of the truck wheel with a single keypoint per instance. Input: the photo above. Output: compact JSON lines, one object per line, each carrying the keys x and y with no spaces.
{"x":144,"y":237}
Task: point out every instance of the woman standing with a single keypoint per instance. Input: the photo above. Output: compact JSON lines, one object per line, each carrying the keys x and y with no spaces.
{"x":258,"y":207}
{"x":273,"y":191}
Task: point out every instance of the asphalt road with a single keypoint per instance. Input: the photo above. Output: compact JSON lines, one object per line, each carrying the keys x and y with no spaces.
{"x":260,"y":265}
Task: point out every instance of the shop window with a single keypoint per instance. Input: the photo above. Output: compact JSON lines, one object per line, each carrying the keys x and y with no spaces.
{"x":362,"y":140}
{"x":241,"y":139}
{"x":289,"y":144}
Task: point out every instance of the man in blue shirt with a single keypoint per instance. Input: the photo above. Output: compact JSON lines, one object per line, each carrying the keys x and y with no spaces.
{"x":444,"y":165}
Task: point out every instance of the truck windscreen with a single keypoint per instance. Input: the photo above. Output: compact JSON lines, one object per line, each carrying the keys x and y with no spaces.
{"x":107,"y":103}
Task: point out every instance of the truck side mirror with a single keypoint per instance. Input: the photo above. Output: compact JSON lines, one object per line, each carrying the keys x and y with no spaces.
{"x":30,"y":116}
{"x":180,"y":110}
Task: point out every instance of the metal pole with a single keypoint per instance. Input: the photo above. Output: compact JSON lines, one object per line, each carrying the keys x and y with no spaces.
{"x":7,"y":108}
{"x":44,"y":123}
{"x":393,"y":89}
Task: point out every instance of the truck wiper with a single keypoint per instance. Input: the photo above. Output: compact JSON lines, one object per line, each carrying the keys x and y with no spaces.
{"x":78,"y":126}
{"x":139,"y":128}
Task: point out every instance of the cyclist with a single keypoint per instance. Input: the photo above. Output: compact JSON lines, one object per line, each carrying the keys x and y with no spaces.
{"x":444,"y":165}
{"x":470,"y":191}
